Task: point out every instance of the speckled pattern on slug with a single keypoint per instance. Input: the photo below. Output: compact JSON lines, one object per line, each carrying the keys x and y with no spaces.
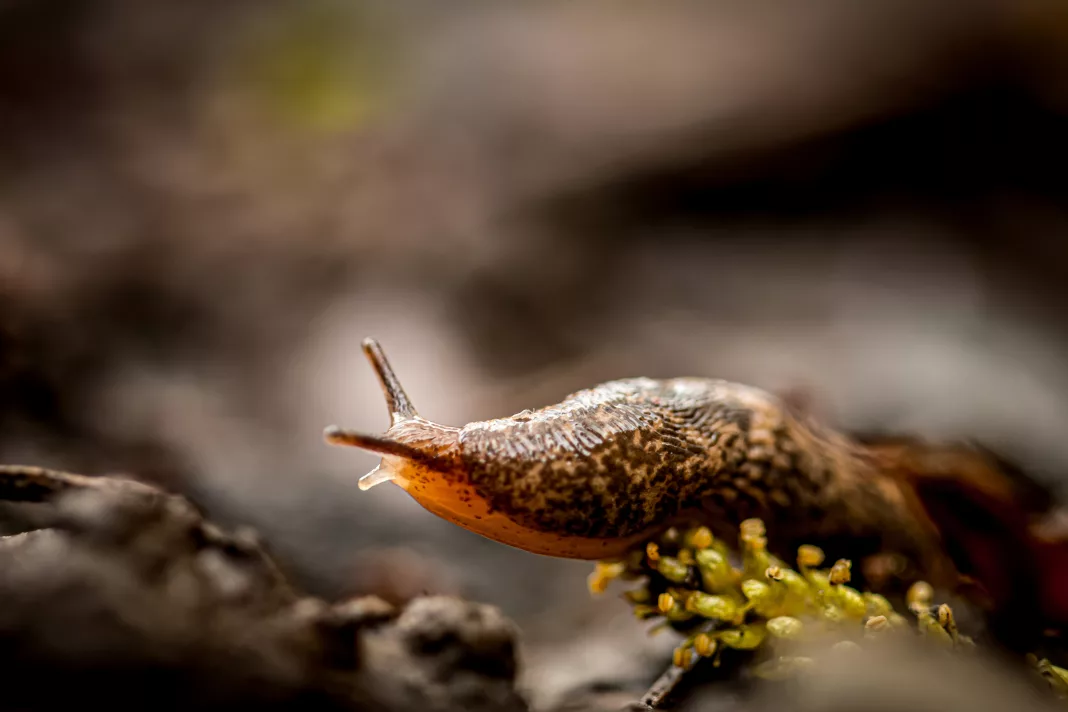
{"x":594,"y":475}
{"x":627,"y":455}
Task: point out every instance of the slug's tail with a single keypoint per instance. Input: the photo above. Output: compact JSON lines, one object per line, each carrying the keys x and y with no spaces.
{"x":987,"y":514}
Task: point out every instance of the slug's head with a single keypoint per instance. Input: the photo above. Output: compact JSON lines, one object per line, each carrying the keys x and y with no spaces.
{"x":436,"y":468}
{"x":420,"y":456}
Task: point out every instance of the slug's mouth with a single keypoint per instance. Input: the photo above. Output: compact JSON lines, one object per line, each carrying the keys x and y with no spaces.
{"x":444,"y":492}
{"x":394,"y":453}
{"x":380,"y":475}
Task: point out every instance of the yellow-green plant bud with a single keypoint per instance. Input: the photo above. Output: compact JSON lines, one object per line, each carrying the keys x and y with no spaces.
{"x":672,"y":569}
{"x":699,"y":538}
{"x":947,"y":621}
{"x":1056,"y":677}
{"x":785,"y":627}
{"x":761,"y":597}
{"x":794,"y":591}
{"x":720,"y":608}
{"x":746,"y":637}
{"x":919,"y":594}
{"x":877,"y":624}
{"x":672,"y":608}
{"x":809,"y":556}
{"x":682,"y":658}
{"x":818,"y":579}
{"x":877,"y":605}
{"x":716,"y":573}
{"x":850,"y":601}
{"x":841,"y":572}
{"x":704,"y":645}
{"x":832,"y":614}
{"x":928,"y":625}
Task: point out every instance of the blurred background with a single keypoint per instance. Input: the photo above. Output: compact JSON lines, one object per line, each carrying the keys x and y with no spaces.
{"x":206,"y":205}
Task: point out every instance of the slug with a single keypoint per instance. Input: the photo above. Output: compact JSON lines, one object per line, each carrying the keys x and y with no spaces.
{"x":611,"y":466}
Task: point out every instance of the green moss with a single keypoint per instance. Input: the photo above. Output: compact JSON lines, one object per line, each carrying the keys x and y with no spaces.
{"x":686,"y":581}
{"x":762,"y":605}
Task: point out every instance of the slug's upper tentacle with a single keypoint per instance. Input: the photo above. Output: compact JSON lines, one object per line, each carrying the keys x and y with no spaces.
{"x":400,"y":407}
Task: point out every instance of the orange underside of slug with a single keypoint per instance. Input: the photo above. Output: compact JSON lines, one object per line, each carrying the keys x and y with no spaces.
{"x":458,"y":504}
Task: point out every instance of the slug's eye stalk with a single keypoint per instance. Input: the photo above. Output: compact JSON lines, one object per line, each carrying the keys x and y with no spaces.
{"x":410,"y":444}
{"x":400,"y":408}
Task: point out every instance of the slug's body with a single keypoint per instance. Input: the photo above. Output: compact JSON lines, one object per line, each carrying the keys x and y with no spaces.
{"x":612,"y":467}
{"x":609,"y":467}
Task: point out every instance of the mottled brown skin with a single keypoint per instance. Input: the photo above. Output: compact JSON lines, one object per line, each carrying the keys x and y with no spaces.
{"x":630,"y":457}
{"x":611,"y":466}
